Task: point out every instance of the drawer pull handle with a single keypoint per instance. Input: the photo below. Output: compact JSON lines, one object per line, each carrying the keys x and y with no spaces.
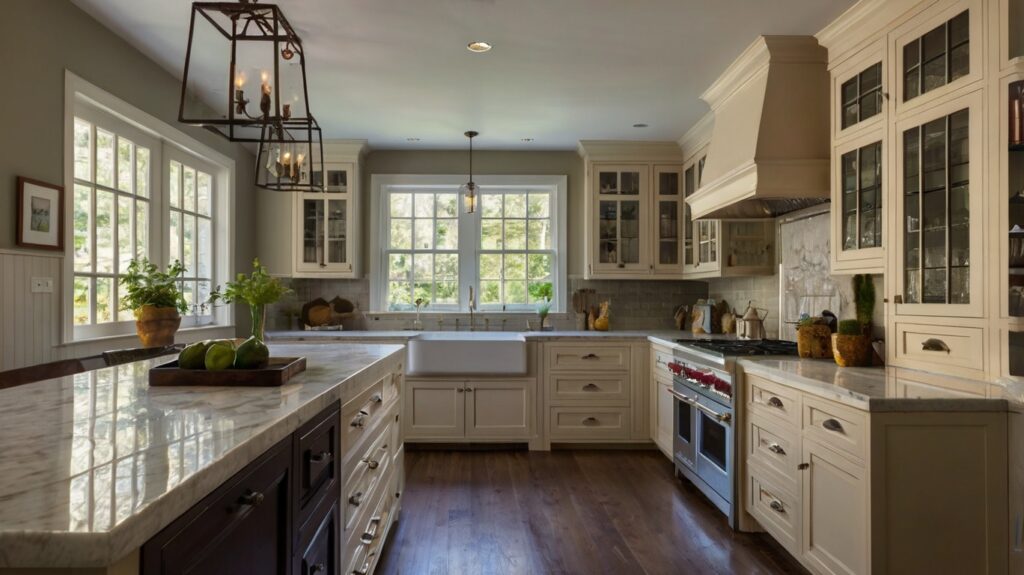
{"x":469,"y":390}
{"x":776,"y":448}
{"x":372,"y":464}
{"x":777,"y":506}
{"x":591,"y":387}
{"x":775,"y":402}
{"x":459,"y":389}
{"x":833,"y":425}
{"x":590,"y":421}
{"x":365,"y":569}
{"x":371,"y":531}
{"x":590,"y":356}
{"x":320,"y":457}
{"x":253,"y":498}
{"x":357,"y":421}
{"x":318,"y":568}
{"x":356,"y":499}
{"x":377,"y":398}
{"x":803,"y":466}
{"x":933,"y":344}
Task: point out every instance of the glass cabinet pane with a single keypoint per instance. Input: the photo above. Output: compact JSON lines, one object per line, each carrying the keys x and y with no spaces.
{"x":668,"y":233}
{"x":1015,"y":33}
{"x":1016,"y":353}
{"x":608,"y":249}
{"x":862,"y":196}
{"x":708,"y":249}
{"x":939,"y":57}
{"x":862,"y":96}
{"x":337,"y":180}
{"x":337,"y":222}
{"x":629,"y":235}
{"x":1015,"y":179}
{"x":312,"y":230}
{"x":936,"y":226}
{"x":689,"y":186}
{"x":613,"y":183}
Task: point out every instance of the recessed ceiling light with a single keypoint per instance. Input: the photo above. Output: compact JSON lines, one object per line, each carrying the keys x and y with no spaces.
{"x":526,"y":139}
{"x":478,"y":47}
{"x":639,"y":125}
{"x":412,"y":139}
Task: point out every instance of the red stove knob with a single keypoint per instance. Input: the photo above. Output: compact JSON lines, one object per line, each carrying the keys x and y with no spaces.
{"x":675,"y":368}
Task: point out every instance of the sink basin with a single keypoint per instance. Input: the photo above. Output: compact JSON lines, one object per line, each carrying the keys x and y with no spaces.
{"x":454,"y":353}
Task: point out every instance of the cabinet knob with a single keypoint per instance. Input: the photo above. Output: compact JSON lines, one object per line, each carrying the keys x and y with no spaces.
{"x":320,"y":457}
{"x":777,"y":506}
{"x":253,"y":498}
{"x":318,"y":568}
{"x":469,"y":390}
{"x":621,"y":265}
{"x":459,"y":389}
{"x":356,"y":498}
{"x":377,"y":398}
{"x":371,"y":463}
{"x":589,"y":356}
{"x":777,"y":449}
{"x":358,"y":421}
{"x":590,"y":421}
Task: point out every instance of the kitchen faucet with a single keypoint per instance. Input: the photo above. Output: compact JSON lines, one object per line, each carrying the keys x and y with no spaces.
{"x":472,"y":308}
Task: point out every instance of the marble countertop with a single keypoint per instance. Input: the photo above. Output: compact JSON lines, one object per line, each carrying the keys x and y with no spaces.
{"x":663,"y":337}
{"x":864,"y":388}
{"x":93,"y":465}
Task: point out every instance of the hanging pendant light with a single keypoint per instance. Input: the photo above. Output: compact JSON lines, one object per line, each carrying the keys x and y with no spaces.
{"x":244,"y":68}
{"x":470,"y":191}
{"x":290,"y":157}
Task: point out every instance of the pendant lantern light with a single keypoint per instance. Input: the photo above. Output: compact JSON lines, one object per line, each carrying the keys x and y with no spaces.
{"x":291,"y":157}
{"x":244,"y":68}
{"x":470,"y":191}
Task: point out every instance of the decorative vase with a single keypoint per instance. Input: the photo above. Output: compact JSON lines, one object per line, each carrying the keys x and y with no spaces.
{"x":156,"y":326}
{"x":259,"y":321}
{"x":852,"y":350}
{"x":814,"y":341}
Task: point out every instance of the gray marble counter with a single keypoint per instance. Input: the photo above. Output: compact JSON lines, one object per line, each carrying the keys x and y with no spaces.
{"x":93,"y":465}
{"x":864,"y":388}
{"x":662,"y":337}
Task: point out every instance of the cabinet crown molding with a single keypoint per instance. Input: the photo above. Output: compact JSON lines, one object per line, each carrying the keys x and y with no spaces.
{"x":345,"y":150}
{"x":756,"y":58}
{"x":867,"y":19}
{"x":697,"y":137}
{"x":629,"y":151}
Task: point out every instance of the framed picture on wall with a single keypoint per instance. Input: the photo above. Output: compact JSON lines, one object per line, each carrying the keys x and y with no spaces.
{"x":40,"y":215}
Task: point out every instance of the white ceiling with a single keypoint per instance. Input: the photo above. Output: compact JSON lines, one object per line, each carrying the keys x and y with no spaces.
{"x":560,"y":70}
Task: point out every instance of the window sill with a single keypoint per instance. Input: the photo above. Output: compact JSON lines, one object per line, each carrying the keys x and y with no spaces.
{"x":186,"y":331}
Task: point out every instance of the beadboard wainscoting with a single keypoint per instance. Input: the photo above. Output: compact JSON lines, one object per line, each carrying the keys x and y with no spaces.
{"x":31,"y":321}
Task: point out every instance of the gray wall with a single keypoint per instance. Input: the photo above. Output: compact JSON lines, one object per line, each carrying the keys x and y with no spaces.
{"x":490,"y":163}
{"x":38,"y":41}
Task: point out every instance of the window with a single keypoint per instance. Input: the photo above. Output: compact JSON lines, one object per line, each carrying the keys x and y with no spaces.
{"x":508,"y":252}
{"x":139,"y":189}
{"x":937,"y":58}
{"x":862,"y":96}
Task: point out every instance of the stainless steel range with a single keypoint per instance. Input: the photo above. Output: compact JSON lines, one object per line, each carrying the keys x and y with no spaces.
{"x":703,"y":376}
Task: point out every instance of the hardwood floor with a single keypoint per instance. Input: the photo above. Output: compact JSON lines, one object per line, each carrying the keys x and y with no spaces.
{"x":587,"y":512}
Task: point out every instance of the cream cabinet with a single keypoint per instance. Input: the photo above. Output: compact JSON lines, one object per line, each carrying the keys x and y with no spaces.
{"x":316,"y":234}
{"x":635,"y":205}
{"x":661,"y":401}
{"x":845,"y":491}
{"x":469,"y":410}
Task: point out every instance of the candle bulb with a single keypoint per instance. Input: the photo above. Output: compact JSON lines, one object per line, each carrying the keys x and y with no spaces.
{"x":265,"y":97}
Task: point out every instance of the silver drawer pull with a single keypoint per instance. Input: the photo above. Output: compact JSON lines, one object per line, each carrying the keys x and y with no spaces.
{"x":776,"y":448}
{"x":372,"y":464}
{"x":358,"y":421}
{"x":933,"y":344}
{"x":777,"y":506}
{"x":833,"y":425}
{"x":775,"y":402}
{"x":590,"y":356}
{"x":253,"y":498}
{"x":377,"y":398}
{"x":356,"y":499}
{"x":371,"y":531}
{"x":591,"y":387}
{"x":320,"y":457}
{"x":365,"y":569}
{"x":590,"y":421}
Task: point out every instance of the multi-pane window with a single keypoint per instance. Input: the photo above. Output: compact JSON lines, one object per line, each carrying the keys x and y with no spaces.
{"x":190,"y":194}
{"x":862,"y":197}
{"x":423,"y":249}
{"x":937,"y":58}
{"x":112,"y":211}
{"x":516,"y":248}
{"x":862,"y":96}
{"x":434,"y":252}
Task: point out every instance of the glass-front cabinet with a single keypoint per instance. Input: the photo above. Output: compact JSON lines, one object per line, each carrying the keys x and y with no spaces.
{"x":669,"y":209}
{"x":1011,"y":22}
{"x":621,"y":216}
{"x":939,"y":183}
{"x":323,"y":224}
{"x":858,"y":223}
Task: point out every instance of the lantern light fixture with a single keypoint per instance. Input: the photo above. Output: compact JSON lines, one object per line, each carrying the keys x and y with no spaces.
{"x":470,"y":190}
{"x":290,"y":157}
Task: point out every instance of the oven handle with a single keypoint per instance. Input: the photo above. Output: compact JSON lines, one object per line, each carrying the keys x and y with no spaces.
{"x":720,"y":417}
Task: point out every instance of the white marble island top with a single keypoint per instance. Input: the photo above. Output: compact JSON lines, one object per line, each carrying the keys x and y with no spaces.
{"x":93,"y":465}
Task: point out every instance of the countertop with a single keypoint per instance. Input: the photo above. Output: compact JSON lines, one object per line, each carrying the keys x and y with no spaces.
{"x":868,"y":388}
{"x":663,"y":337}
{"x":93,"y":465}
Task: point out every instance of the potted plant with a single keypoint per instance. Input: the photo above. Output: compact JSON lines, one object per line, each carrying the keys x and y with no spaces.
{"x":259,"y":289}
{"x":543,"y":292}
{"x":851,"y":345}
{"x":156,"y":299}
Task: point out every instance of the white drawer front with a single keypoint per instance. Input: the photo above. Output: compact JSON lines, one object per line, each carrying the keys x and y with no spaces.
{"x":590,"y":423}
{"x":588,"y":357}
{"x":944,"y":349}
{"x":603,"y":389}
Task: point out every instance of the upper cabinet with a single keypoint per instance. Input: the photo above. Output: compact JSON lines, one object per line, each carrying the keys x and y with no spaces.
{"x":315,"y":234}
{"x":635,"y":210}
{"x":1011,"y":33}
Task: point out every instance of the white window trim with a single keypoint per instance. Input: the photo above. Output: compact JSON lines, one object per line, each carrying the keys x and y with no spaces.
{"x":78,"y":89}
{"x":379,"y":183}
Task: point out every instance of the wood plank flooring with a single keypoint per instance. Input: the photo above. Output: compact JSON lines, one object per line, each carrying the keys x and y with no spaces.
{"x":586,"y":511}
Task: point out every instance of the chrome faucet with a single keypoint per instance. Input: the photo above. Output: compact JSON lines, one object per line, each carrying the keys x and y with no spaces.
{"x":472,"y":308}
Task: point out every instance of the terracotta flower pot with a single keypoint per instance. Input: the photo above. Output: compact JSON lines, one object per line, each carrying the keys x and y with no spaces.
{"x":156,"y":326}
{"x":852,"y":350}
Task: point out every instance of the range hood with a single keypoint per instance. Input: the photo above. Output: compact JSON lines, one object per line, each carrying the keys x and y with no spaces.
{"x":769,"y":151}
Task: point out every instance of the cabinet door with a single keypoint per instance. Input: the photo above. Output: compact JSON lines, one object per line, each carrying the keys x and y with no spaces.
{"x":310,"y":227}
{"x":325,"y":223}
{"x":669,"y":210}
{"x":858,"y":224}
{"x":434,"y":409}
{"x":689,"y":226}
{"x":621,"y":204}
{"x":244,"y":527}
{"x":1010,"y":208}
{"x":938,"y":206}
{"x":708,"y":232}
{"x":665,"y":415}
{"x":835,"y":512}
{"x":321,"y":554}
{"x":499,"y":409}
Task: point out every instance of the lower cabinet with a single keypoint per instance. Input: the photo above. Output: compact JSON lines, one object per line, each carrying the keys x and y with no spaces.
{"x":447,"y":410}
{"x":321,"y":548}
{"x":835,"y":512}
{"x":662,"y":402}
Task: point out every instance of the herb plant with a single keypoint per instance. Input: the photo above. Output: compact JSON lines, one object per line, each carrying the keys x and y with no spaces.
{"x":144,"y":284}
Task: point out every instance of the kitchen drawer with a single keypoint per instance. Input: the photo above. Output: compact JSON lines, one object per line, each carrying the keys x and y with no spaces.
{"x":393,"y":386}
{"x":771,"y":447}
{"x":588,"y":357}
{"x":366,"y":477}
{"x":366,"y":539}
{"x":776,"y":508}
{"x":611,"y":389}
{"x":773,"y":400}
{"x":321,"y":553}
{"x":317,"y":461}
{"x":361,"y":413}
{"x":910,"y":384}
{"x":836,"y":426}
{"x":590,"y":423}
{"x":946,"y":349}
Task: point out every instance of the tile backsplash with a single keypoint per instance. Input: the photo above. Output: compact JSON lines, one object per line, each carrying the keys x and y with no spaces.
{"x":635,"y":305}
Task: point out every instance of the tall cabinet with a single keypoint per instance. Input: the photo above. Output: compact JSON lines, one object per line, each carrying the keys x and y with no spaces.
{"x":316,"y":234}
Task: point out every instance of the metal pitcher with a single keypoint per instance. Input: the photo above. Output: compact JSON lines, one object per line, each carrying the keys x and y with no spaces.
{"x":751,"y":325}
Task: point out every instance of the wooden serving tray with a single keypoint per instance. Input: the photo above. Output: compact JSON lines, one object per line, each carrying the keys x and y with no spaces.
{"x":278,"y":371}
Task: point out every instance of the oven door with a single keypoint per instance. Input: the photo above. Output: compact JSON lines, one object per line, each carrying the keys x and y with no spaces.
{"x":684,"y":429}
{"x":714,"y":445}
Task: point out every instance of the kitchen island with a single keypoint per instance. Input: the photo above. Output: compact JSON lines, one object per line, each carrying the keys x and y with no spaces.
{"x":95,"y":465}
